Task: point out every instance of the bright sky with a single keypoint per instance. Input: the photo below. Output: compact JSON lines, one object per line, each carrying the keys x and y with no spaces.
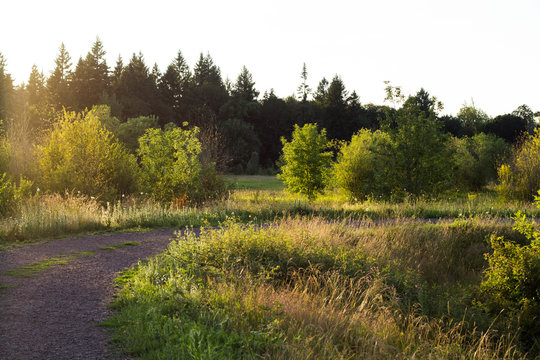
{"x":458,"y":50}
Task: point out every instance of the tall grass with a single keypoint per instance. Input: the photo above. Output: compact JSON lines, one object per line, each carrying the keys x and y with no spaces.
{"x":309,"y":290}
{"x":56,"y":215}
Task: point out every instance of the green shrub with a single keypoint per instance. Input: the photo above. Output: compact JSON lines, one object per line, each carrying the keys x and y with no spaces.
{"x":130,"y":131}
{"x":476,"y":159}
{"x":171,"y":167}
{"x":81,"y":154}
{"x":306,"y":161}
{"x":522,"y":178}
{"x":359,"y":170}
{"x":512,"y":281}
{"x":11,"y":195}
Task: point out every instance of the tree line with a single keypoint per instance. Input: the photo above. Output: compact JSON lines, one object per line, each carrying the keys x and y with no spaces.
{"x":241,"y":128}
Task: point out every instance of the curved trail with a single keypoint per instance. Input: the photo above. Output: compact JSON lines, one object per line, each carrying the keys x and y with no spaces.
{"x":53,"y":314}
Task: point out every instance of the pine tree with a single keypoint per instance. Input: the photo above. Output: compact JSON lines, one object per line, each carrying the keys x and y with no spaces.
{"x":244,"y":88}
{"x":6,"y":89}
{"x":91,"y":78}
{"x":36,"y":87}
{"x":60,"y":79}
{"x":303,"y":90}
{"x":174,"y":87}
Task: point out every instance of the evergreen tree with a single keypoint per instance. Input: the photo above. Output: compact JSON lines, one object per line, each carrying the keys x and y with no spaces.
{"x":59,"y":82}
{"x":244,"y":88}
{"x":136,"y":89}
{"x":303,"y":90}
{"x":91,"y":78}
{"x":36,"y":87}
{"x":209,"y":90}
{"x":321,"y":92}
{"x":6,"y":89}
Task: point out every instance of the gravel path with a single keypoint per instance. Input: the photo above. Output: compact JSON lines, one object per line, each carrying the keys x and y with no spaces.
{"x":53,"y":314}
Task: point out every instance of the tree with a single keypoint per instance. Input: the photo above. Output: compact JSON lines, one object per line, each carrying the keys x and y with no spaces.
{"x":6,"y":89}
{"x":525,"y":112}
{"x":135,"y":89}
{"x":244,"y":88}
{"x":418,"y":154}
{"x":306,"y":161}
{"x":209,"y":90}
{"x":321,"y":92}
{"x":174,"y":88}
{"x":509,"y":127}
{"x":303,"y":90}
{"x":58,"y":84}
{"x":81,"y":155}
{"x":472,"y":118}
{"x":91,"y":77}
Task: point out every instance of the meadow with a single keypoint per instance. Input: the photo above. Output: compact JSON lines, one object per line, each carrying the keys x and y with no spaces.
{"x":250,"y":198}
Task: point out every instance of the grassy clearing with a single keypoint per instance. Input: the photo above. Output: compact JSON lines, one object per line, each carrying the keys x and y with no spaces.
{"x":255,"y":182}
{"x":309,"y":289}
{"x":40,"y":266}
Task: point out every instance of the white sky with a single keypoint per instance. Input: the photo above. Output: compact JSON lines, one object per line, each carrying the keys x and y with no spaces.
{"x":458,"y":50}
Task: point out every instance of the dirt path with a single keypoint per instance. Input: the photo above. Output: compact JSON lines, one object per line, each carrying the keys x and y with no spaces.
{"x":53,"y":314}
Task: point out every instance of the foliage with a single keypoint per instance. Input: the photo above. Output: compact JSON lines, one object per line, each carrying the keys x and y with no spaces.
{"x":360,"y":169}
{"x":81,"y":155}
{"x":509,"y":127}
{"x":241,"y":141}
{"x":306,"y":161}
{"x":512,"y":279}
{"x":252,"y":167}
{"x":520,"y":177}
{"x":476,"y":159}
{"x":130,"y":131}
{"x":417,"y":155}
{"x":472,"y":118}
{"x":12,"y":195}
{"x":171,"y":168}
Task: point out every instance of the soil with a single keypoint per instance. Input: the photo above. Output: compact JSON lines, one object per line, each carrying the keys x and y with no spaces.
{"x":54,"y":314}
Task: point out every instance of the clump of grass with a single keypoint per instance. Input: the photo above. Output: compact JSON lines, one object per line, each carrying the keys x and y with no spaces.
{"x":119,"y":246}
{"x":297,"y":290}
{"x":40,"y":266}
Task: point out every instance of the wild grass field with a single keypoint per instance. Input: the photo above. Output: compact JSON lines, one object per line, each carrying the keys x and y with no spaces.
{"x":310,"y":289}
{"x":250,"y":198}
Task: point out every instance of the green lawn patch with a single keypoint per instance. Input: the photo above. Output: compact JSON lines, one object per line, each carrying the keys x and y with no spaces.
{"x":121,"y":245}
{"x":40,"y":266}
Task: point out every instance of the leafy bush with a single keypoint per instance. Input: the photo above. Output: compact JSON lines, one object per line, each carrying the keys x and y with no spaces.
{"x":130,"y":131}
{"x":476,"y":160}
{"x":306,"y":161}
{"x":80,"y":154}
{"x":512,"y":281}
{"x":11,"y":195}
{"x":171,"y":167}
{"x":359,"y":170}
{"x":520,"y":178}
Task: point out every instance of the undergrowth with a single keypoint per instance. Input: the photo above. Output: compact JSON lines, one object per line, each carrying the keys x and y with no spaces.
{"x":299,"y":289}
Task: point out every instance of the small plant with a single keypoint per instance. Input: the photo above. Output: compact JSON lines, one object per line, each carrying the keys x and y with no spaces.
{"x":306,"y":161}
